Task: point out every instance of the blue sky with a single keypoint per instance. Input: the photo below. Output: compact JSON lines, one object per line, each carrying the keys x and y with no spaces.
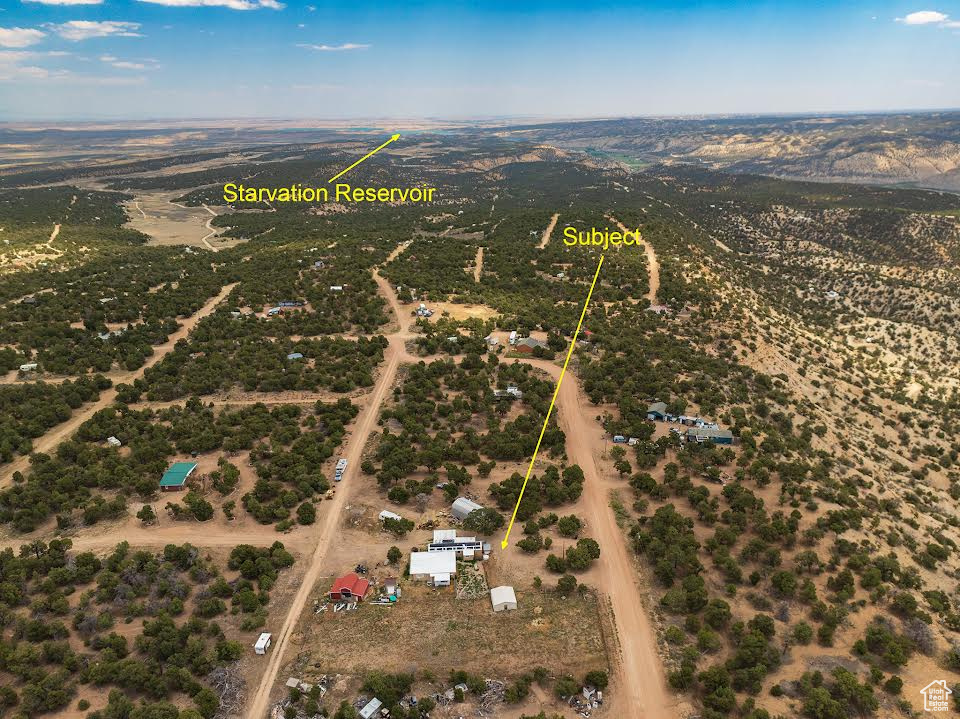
{"x":156,"y":59}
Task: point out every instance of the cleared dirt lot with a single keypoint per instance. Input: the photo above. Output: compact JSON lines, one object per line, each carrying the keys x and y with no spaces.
{"x":431,"y":628}
{"x":168,"y":223}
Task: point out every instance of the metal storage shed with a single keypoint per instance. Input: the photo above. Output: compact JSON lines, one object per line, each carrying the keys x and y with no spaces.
{"x":175,"y":477}
{"x":463,"y":506}
{"x":503,"y":598}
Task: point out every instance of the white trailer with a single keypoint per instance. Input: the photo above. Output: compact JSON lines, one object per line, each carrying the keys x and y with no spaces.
{"x":263,"y":643}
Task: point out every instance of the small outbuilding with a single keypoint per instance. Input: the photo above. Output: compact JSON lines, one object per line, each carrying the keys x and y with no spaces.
{"x":113,"y":441}
{"x":175,"y":478}
{"x":657,"y":411}
{"x":503,"y":598}
{"x":462,"y":507}
{"x":387,"y":514}
{"x":371,"y":709}
{"x":349,"y":587}
{"x":390,"y":587}
{"x":295,"y":356}
{"x":263,"y":643}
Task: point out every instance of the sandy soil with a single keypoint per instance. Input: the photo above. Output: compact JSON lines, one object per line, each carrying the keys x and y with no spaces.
{"x":549,"y":231}
{"x":61,"y":432}
{"x":461,"y":311}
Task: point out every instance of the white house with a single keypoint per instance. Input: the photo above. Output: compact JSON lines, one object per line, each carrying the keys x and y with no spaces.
{"x":263,"y":643}
{"x":503,"y":598}
{"x":469,"y":548}
{"x":434,"y":567}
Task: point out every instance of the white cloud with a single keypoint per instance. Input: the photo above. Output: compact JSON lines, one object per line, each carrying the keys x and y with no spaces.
{"x":334,"y":48}
{"x":19,"y":66}
{"x":76,"y":30}
{"x":66,"y":2}
{"x":923,"y":17}
{"x":116,"y":62}
{"x":230,"y":4}
{"x":19,"y":36}
{"x":12,"y":66}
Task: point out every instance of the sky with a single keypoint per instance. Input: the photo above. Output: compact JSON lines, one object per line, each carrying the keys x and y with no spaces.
{"x":94,"y":60}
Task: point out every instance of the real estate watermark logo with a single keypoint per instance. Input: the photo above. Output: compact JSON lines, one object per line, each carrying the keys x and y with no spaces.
{"x":936,"y":696}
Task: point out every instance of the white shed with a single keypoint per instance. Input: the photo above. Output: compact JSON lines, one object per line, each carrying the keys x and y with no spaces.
{"x":503,"y":598}
{"x":463,"y":506}
{"x":387,"y":514}
{"x":435,"y":567}
{"x":371,"y":709}
{"x":263,"y":643}
{"x":113,"y":441}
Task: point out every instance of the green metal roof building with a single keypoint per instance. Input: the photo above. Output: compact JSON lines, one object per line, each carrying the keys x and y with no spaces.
{"x":176,"y":476}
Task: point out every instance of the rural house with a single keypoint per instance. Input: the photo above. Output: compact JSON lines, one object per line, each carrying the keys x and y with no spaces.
{"x":446,"y":540}
{"x":175,"y":478}
{"x":528,"y":344}
{"x":348,"y":587}
{"x":657,"y":411}
{"x":436,"y":568}
{"x":704,"y":434}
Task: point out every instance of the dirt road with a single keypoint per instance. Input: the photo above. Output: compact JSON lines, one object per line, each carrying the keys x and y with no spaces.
{"x":640,"y":689}
{"x":549,"y":231}
{"x":478,"y":265}
{"x":653,"y":266}
{"x":61,"y":432}
{"x":213,"y":231}
{"x":171,"y":532}
{"x":366,"y":423}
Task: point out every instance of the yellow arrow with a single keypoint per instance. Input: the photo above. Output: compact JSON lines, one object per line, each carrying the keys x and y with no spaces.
{"x":573,"y":343}
{"x":372,"y":152}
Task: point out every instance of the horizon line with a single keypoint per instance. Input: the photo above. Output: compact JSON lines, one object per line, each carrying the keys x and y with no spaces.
{"x":335,"y":122}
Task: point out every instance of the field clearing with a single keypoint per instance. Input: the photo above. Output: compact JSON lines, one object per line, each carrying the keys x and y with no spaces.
{"x":462,"y":311}
{"x":438,"y":632}
{"x":167,"y":223}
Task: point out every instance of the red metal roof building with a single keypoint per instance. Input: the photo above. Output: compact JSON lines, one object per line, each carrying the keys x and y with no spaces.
{"x":349,"y":586}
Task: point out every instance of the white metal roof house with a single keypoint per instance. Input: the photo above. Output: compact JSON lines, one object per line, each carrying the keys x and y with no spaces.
{"x":463,"y":506}
{"x":503,"y":598}
{"x":434,"y":567}
{"x":446,"y":540}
